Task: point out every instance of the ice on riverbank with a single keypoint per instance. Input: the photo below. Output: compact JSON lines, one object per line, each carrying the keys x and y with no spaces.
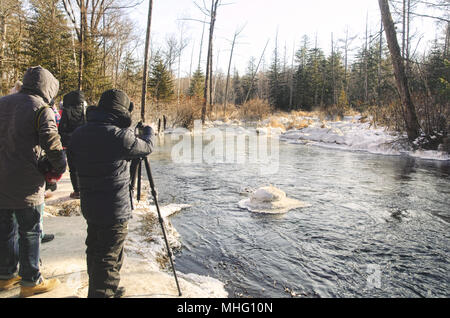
{"x":146,"y":240}
{"x":352,"y":134}
{"x":270,"y":200}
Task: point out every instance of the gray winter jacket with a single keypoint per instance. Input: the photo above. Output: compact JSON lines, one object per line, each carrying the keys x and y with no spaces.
{"x":22,"y":138}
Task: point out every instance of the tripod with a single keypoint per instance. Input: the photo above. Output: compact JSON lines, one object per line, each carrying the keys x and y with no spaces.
{"x":135,"y":169}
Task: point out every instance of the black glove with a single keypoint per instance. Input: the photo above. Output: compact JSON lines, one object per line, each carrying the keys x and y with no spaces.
{"x":44,"y":165}
{"x":147,"y":133}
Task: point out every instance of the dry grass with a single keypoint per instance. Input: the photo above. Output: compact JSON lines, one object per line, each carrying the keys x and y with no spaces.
{"x":68,"y":208}
{"x":298,"y":123}
{"x":150,"y":229}
{"x":275,"y":123}
{"x":255,"y":109}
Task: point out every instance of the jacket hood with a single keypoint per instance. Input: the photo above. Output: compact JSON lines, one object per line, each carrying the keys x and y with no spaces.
{"x":114,"y":99}
{"x":37,"y":80}
{"x":73,"y":99}
{"x":121,"y":119}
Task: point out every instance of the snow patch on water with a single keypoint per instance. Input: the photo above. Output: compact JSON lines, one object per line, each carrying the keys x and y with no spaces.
{"x":270,"y":200}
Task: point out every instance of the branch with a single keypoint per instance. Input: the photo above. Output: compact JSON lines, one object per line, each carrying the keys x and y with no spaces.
{"x":189,"y":19}
{"x":430,"y":16}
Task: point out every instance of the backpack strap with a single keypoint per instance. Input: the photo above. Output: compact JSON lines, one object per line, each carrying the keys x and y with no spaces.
{"x":38,"y":115}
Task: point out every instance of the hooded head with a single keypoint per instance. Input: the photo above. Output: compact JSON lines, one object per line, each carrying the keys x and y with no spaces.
{"x":73,"y":99}
{"x":37,"y":80}
{"x":116,"y":108}
{"x":114,"y":99}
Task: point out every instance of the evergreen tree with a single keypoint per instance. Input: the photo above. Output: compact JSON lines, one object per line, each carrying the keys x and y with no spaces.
{"x":131,"y":76}
{"x":197,"y":85}
{"x":239,"y":96}
{"x":13,"y":61}
{"x":303,"y":95}
{"x":278,"y":88}
{"x":160,"y":83}
{"x":49,"y":43}
{"x":250,"y":85}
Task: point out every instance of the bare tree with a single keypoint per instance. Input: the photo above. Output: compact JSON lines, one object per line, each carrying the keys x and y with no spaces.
{"x":212,"y":14}
{"x":236,"y":35}
{"x":346,"y":46}
{"x":87,"y":17}
{"x":146,"y":60}
{"x":410,"y":117}
{"x":256,"y":71}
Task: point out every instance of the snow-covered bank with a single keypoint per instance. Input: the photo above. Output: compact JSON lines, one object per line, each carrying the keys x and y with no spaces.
{"x":352,"y":134}
{"x":141,"y":274}
{"x":145,"y":241}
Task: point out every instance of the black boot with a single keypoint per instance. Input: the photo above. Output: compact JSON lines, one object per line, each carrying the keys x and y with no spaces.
{"x":120,"y":292}
{"x":47,"y":238}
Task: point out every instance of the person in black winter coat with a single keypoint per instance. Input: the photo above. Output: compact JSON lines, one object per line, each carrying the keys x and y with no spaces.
{"x":73,"y":116}
{"x":102,"y":150}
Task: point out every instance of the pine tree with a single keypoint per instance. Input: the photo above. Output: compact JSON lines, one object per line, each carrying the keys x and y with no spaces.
{"x":237,"y":89}
{"x":13,"y":61}
{"x":160,"y":83}
{"x":249,"y":89}
{"x":49,"y":43}
{"x":197,"y":84}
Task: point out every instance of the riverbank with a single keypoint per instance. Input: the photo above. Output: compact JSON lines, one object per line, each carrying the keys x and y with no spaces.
{"x":351,"y":133}
{"x":142,"y":276}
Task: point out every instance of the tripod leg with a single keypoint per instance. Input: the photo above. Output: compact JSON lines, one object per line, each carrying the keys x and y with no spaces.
{"x":133,"y":174}
{"x":161,"y":221}
{"x":139,"y":172}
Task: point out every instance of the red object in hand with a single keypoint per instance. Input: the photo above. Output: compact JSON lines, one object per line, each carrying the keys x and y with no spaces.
{"x":52,"y":177}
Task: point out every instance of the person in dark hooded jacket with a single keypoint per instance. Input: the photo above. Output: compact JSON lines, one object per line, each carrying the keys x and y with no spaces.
{"x":73,"y":116}
{"x":27,"y":126}
{"x":101,"y":152}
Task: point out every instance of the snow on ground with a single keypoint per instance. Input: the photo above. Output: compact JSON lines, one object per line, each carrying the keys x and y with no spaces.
{"x":146,"y":240}
{"x":352,"y":134}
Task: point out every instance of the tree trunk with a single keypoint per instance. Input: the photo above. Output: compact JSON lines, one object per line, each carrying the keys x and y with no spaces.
{"x":228,"y":75}
{"x":291,"y":79}
{"x":2,"y":53}
{"x":81,"y":57}
{"x":366,"y":57}
{"x":410,"y":117}
{"x":380,"y":59}
{"x":146,"y":60}
{"x":255,"y":73}
{"x":209,"y":57}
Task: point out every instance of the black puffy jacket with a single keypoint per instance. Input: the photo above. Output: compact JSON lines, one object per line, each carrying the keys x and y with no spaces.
{"x":101,"y":150}
{"x":72,"y":116}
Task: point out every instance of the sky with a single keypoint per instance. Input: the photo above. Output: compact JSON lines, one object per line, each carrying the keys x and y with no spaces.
{"x":261,"y":19}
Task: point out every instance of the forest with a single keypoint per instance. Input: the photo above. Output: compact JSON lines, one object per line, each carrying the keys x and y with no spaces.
{"x":92,"y":45}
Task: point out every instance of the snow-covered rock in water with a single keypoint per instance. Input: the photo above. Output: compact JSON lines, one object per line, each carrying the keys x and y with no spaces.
{"x":270,"y":200}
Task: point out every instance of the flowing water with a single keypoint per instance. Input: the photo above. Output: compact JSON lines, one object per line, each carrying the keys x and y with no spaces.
{"x":378,"y":226}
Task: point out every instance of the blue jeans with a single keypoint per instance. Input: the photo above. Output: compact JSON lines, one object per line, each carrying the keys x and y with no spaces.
{"x":20,"y":239}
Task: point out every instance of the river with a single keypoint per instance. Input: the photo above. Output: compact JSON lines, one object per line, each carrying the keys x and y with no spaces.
{"x":378,"y":226}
